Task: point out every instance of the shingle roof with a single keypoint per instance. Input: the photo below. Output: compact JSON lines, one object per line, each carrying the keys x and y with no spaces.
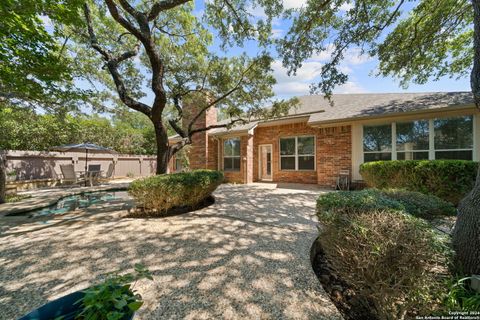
{"x":348,"y":106}
{"x":353,"y":106}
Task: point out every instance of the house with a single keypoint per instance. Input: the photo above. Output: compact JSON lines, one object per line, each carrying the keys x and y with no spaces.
{"x":316,"y":140}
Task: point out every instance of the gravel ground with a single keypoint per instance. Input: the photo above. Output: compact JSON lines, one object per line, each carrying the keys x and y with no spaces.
{"x":245,"y":257}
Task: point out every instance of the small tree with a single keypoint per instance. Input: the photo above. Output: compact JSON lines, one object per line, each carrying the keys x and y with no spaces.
{"x":434,"y":39}
{"x":163,"y":44}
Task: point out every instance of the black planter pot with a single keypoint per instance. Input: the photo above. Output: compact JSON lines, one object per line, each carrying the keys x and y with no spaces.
{"x":64,"y":306}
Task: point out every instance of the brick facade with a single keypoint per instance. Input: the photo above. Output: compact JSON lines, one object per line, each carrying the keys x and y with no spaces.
{"x":332,"y":151}
{"x":202,"y":153}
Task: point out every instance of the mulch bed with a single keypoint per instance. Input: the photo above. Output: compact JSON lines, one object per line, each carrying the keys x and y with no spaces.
{"x":341,"y":294}
{"x":175,"y":211}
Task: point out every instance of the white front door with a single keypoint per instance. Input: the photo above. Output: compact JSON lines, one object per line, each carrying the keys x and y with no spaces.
{"x":265,"y":162}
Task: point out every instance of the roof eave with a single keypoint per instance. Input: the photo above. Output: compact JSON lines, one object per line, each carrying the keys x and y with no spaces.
{"x":388,"y":115}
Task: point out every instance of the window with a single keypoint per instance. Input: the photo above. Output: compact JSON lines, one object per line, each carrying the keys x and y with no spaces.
{"x":412,"y":140}
{"x":297,"y":153}
{"x":231,"y":154}
{"x":445,"y":138}
{"x":454,"y":138}
{"x":377,"y":143}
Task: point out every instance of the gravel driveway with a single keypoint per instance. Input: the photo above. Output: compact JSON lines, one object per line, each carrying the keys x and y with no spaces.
{"x":245,"y":257}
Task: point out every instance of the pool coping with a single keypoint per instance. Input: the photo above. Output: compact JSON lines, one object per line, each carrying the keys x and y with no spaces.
{"x":44,"y":198}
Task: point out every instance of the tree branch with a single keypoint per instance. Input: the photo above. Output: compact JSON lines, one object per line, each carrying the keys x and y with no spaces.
{"x":112,"y":65}
{"x":162,"y":6}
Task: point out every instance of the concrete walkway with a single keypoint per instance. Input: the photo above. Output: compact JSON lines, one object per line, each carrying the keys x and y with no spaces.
{"x":245,"y":257}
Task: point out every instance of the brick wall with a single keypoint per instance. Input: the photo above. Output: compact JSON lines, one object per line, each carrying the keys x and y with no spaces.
{"x":201,"y":144}
{"x":333,"y":152}
{"x":271,"y":135}
{"x":239,"y":176}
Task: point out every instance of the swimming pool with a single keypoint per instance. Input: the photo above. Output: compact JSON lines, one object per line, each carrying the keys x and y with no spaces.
{"x":81,"y":201}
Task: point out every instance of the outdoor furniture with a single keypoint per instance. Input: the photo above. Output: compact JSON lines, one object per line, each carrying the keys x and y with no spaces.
{"x":69,"y":174}
{"x":343,"y":180}
{"x":86,"y":147}
{"x":93,"y":173}
{"x":109,"y":174}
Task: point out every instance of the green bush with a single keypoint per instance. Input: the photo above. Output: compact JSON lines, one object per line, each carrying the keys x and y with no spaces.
{"x":411,"y":202}
{"x":462,"y":297}
{"x":421,"y":205}
{"x":163,"y":192}
{"x":450,"y":180}
{"x":394,"y":261}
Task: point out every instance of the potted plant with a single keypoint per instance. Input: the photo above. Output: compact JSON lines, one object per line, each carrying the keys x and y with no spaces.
{"x":113,"y":299}
{"x":12,"y":176}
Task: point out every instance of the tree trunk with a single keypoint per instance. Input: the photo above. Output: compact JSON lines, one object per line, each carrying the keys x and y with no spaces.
{"x":466,"y":235}
{"x":163,"y":150}
{"x":3,"y":177}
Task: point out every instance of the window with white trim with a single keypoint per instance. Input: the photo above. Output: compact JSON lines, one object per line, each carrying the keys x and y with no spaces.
{"x":377,"y":142}
{"x":297,"y":153}
{"x":412,"y":140}
{"x":443,"y":138}
{"x":231,"y":154}
{"x":454,"y":138}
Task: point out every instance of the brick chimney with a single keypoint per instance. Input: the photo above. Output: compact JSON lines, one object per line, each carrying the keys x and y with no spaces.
{"x":203,"y":154}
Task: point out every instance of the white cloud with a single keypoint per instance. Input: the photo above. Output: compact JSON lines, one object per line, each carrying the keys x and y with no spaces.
{"x":298,"y":84}
{"x":346,"y":6}
{"x":352,"y":56}
{"x":294,"y":4}
{"x":350,"y":87}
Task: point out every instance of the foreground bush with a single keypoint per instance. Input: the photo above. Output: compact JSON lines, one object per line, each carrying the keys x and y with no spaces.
{"x":411,"y":202}
{"x":163,"y":192}
{"x":450,"y":180}
{"x":394,"y":261}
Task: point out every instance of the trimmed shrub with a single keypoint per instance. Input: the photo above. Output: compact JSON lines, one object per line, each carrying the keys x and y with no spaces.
{"x":449,"y":180}
{"x":411,"y":202}
{"x":421,"y":205}
{"x":395,"y":262}
{"x":184,"y":189}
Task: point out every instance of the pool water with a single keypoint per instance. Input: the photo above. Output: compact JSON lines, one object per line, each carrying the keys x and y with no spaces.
{"x":81,"y":201}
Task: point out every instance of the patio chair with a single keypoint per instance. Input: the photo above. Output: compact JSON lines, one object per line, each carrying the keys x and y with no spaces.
{"x":109,"y":174}
{"x":69,"y":174}
{"x":343,"y":180}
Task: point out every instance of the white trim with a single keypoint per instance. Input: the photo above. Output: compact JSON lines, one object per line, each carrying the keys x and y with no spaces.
{"x":260,"y":160}
{"x":233,"y":157}
{"x":296,"y":155}
{"x":431,"y":138}
{"x":394,"y":141}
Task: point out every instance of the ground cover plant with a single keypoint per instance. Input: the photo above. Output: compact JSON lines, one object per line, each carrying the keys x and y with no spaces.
{"x":450,"y":180}
{"x":160,"y":193}
{"x":392,"y":259}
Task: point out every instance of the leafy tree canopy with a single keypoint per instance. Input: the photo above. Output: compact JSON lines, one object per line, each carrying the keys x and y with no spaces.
{"x":414,"y":42}
{"x":35,"y":68}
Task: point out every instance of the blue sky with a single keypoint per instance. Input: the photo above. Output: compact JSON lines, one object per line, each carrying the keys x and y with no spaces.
{"x":358,"y":67}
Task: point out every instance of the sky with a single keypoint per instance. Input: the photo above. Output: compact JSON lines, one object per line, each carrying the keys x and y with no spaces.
{"x":358,"y":67}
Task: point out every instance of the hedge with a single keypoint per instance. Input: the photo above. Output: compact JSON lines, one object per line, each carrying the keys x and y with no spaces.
{"x":450,"y":180}
{"x":410,"y":202}
{"x":184,"y":189}
{"x":394,"y":261}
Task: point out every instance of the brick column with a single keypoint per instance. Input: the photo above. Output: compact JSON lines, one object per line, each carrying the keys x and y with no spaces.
{"x":202,"y":147}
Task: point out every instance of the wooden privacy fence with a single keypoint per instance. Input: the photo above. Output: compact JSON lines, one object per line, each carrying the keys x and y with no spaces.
{"x":36,"y":165}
